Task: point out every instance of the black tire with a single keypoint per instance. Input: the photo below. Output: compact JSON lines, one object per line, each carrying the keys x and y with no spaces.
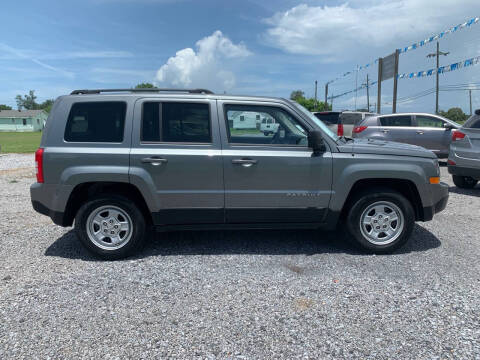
{"x":464,"y":182}
{"x":137,"y":232}
{"x":366,"y":199}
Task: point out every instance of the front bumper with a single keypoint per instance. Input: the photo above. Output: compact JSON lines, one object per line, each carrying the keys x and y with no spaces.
{"x":440,"y":200}
{"x":464,"y":171}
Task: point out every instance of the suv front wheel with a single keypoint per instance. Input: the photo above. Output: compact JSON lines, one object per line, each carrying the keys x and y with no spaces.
{"x":380,"y":221}
{"x":111,"y":227}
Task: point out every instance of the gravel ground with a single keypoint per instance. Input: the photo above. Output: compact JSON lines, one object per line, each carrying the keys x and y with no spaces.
{"x":243,"y":294}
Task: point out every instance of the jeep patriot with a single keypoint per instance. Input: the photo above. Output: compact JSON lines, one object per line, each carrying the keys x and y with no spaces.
{"x":118,"y":162}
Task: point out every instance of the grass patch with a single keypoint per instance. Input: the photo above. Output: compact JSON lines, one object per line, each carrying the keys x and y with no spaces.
{"x":20,"y":142}
{"x":244,"y":131}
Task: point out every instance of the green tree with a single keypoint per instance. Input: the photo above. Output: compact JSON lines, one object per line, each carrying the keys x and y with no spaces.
{"x":455,"y":114}
{"x":5,"y":107}
{"x":27,"y":101}
{"x":144,"y":86}
{"x":308,"y":103}
{"x":297,"y":94}
{"x":46,"y":105}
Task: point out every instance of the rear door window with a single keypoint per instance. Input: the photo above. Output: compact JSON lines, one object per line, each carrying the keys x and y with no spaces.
{"x":401,"y":120}
{"x":176,"y":122}
{"x":96,"y":122}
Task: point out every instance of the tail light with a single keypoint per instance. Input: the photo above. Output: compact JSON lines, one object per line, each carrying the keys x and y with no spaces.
{"x":39,"y":164}
{"x":451,"y":162}
{"x":340,"y":130}
{"x":359,"y":129}
{"x":457,"y":135}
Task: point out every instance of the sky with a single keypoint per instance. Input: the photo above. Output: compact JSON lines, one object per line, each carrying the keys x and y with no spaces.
{"x":268,"y":47}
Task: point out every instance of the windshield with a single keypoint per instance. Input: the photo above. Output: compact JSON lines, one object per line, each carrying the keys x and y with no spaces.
{"x":317,"y":121}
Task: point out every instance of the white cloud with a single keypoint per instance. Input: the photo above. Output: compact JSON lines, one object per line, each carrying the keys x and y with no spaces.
{"x":207,"y":67}
{"x":338,"y":31}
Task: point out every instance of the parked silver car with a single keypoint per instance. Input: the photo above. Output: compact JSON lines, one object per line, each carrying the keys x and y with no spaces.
{"x":464,"y":156}
{"x":430,"y":131}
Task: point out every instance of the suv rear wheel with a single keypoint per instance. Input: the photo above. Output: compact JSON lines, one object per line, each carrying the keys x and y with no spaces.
{"x":111,"y":227}
{"x":464,"y":182}
{"x":380,"y":221}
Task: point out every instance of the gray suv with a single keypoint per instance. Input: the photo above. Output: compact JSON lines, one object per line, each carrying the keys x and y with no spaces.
{"x":432,"y":132}
{"x":464,"y":157}
{"x":118,"y":162}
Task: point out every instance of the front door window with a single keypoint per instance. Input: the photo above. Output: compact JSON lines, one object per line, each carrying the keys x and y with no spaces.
{"x":277,"y":126}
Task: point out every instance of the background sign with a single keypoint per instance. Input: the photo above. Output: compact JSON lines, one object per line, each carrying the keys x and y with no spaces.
{"x":388,"y":67}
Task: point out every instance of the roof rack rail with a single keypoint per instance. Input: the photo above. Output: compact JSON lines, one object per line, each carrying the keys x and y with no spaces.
{"x":98,"y":91}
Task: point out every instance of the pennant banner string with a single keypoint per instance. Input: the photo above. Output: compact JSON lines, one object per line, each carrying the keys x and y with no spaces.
{"x":417,"y":45}
{"x":441,"y":69}
{"x":438,"y":36}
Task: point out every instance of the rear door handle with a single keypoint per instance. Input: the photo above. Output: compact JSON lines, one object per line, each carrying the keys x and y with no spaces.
{"x":386,"y":131}
{"x":420,"y":132}
{"x":244,"y":162}
{"x":154,"y":160}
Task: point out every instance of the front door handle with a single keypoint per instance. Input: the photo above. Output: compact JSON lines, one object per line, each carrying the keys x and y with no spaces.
{"x":244,"y":162}
{"x":386,"y":131}
{"x":154,"y":160}
{"x":420,"y":132}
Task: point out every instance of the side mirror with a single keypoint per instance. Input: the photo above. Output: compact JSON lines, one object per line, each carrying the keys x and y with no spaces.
{"x":316,"y":142}
{"x":448,"y":126}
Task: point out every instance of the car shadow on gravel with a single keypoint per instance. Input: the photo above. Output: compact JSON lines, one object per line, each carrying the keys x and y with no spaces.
{"x":469,"y":192}
{"x":244,"y":242}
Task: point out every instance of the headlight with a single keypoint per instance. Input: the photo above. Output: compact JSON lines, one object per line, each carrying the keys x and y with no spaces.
{"x":437,"y":167}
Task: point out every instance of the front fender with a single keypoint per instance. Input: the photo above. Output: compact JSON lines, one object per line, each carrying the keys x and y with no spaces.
{"x":351,"y":168}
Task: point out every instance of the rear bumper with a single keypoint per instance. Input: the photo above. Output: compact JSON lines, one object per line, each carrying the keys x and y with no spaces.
{"x":57,"y":217}
{"x":464,"y":171}
{"x":50,"y":200}
{"x":440,"y":200}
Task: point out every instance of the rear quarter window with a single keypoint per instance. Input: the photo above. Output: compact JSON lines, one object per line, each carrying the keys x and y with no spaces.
{"x":473,"y":122}
{"x":350,"y":119}
{"x":328,"y":118}
{"x":96,"y":122}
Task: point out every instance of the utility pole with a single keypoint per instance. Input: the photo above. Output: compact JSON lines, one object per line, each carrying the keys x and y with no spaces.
{"x":326,"y":95}
{"x":356,"y":87}
{"x":437,"y":55}
{"x":470,"y":93}
{"x":368,"y":95}
{"x":315,"y":104}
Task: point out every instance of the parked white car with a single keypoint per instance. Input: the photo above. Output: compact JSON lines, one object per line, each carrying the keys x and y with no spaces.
{"x":268,"y":126}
